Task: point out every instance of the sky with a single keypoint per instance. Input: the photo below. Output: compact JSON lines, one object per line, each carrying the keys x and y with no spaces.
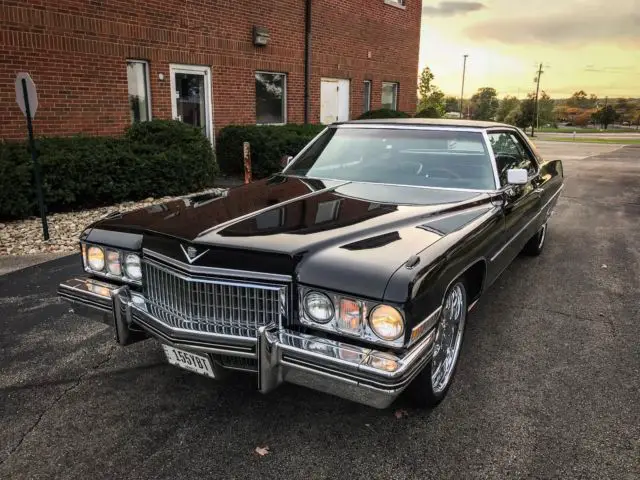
{"x":590,"y":45}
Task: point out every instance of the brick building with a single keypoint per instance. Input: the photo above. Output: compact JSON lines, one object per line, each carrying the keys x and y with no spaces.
{"x":101,"y":64}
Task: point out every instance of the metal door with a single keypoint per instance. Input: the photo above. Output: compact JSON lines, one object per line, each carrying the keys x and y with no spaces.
{"x":191,"y":96}
{"x":334,"y":100}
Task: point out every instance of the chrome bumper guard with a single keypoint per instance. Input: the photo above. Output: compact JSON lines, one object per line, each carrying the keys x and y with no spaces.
{"x":363,"y":375}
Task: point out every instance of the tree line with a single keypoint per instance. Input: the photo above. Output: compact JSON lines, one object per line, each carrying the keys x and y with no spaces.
{"x":581,"y":109}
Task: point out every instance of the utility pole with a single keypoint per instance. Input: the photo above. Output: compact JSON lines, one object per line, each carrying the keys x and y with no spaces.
{"x":464,"y":71}
{"x":535,"y":108}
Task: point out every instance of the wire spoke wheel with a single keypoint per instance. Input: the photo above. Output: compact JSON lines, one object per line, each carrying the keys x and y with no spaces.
{"x":543,"y":234}
{"x":448,"y":338}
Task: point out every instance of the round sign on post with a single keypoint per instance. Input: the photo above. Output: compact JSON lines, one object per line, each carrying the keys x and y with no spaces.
{"x":32,"y":95}
{"x":27,"y":99}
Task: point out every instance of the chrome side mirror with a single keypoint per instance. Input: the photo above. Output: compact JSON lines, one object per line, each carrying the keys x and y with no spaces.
{"x":517,"y":176}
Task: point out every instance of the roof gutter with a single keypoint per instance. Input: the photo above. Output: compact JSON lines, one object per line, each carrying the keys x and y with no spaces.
{"x":307,"y":58}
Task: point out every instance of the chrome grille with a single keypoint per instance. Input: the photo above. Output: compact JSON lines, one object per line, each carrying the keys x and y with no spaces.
{"x":211,"y":305}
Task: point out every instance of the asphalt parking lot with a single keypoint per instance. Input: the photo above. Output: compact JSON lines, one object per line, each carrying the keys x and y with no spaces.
{"x":548,"y":385}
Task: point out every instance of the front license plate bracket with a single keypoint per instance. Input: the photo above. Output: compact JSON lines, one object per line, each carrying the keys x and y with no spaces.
{"x":194,"y":362}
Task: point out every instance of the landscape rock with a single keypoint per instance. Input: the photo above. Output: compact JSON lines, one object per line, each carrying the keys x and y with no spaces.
{"x":24,"y":237}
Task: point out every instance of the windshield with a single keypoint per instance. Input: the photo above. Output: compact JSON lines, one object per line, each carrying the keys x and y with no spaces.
{"x":421,"y":157}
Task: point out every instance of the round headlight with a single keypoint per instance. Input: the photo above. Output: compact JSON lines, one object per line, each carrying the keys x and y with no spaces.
{"x":319,"y":307}
{"x":132,"y":266}
{"x":386,"y":322}
{"x":95,"y":258}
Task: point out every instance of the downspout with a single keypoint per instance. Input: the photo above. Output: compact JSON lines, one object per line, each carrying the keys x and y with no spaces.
{"x":307,"y":58}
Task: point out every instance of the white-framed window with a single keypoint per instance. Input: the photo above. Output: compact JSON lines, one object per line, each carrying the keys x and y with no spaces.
{"x":366,"y":96}
{"x":396,"y":3}
{"x":139,"y":90}
{"x":390,"y":95}
{"x":327,"y":211}
{"x":271,"y":98}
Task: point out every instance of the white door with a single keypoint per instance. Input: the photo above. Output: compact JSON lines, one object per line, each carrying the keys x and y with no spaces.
{"x":191,"y":96}
{"x":334,"y":100}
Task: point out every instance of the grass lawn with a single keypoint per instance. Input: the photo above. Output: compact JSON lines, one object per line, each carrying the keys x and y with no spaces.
{"x":619,"y":141}
{"x":587,"y":130}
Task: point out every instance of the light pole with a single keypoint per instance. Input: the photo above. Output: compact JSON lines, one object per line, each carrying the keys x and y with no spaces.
{"x":535,"y":107}
{"x":464,"y":71}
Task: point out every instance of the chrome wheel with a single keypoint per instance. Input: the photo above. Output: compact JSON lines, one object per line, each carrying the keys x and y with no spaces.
{"x":543,"y":234}
{"x":448,"y":338}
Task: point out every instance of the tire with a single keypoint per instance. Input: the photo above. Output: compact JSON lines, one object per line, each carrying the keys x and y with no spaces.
{"x":430,"y":387}
{"x":535,"y":245}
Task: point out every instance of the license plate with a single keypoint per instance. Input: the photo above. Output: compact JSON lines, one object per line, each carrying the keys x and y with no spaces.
{"x":189,"y":361}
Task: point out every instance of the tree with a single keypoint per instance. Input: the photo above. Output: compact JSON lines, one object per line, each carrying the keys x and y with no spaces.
{"x":484,"y":104}
{"x":605,"y":116}
{"x":625,"y":110}
{"x":514,"y":117}
{"x":431,"y":97}
{"x":429,"y":112}
{"x":580,"y":100}
{"x":546,"y":107}
{"x":527,"y":111}
{"x":451,"y":104}
{"x":583,"y":118}
{"x":424,"y":84}
{"x":507,"y":106}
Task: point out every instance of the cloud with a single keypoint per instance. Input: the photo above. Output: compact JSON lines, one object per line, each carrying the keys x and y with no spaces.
{"x":450,"y":9}
{"x":577,"y":28}
{"x":620,"y":70}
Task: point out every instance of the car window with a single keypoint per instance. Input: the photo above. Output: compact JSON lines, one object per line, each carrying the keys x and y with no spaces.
{"x":421,"y":157}
{"x":510,"y":153}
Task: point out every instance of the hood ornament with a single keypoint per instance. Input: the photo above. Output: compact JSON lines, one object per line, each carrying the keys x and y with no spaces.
{"x":192,"y":253}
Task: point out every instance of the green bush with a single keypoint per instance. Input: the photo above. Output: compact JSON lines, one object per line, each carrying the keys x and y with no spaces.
{"x":268,"y":145}
{"x":153,"y":159}
{"x":429,"y":112}
{"x":383,"y":113}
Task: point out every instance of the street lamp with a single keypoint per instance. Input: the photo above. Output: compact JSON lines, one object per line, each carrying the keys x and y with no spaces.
{"x":464,"y":71}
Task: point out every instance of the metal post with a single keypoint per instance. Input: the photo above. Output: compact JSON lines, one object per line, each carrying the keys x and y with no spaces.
{"x":246,"y":151}
{"x":464,"y":71}
{"x":36,"y":163}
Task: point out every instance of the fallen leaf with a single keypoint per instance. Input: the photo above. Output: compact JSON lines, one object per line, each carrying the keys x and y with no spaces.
{"x":401,"y":413}
{"x":262,"y":451}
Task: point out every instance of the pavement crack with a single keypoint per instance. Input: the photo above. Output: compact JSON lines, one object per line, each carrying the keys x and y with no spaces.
{"x":66,"y":391}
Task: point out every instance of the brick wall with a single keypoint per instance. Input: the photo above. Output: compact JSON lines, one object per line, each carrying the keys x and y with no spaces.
{"x":76,"y":52}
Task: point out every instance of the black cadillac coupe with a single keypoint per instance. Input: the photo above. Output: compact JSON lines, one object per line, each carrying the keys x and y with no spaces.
{"x":351,"y":272}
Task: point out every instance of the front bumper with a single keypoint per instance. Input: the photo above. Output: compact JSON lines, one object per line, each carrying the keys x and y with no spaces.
{"x":363,"y":375}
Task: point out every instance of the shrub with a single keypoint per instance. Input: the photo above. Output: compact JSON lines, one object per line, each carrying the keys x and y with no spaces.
{"x":268,"y":145}
{"x":15,"y":179}
{"x":429,"y":112}
{"x":383,"y":113}
{"x":154,"y":158}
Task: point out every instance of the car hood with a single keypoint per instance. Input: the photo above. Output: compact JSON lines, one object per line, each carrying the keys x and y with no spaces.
{"x":346,"y":236}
